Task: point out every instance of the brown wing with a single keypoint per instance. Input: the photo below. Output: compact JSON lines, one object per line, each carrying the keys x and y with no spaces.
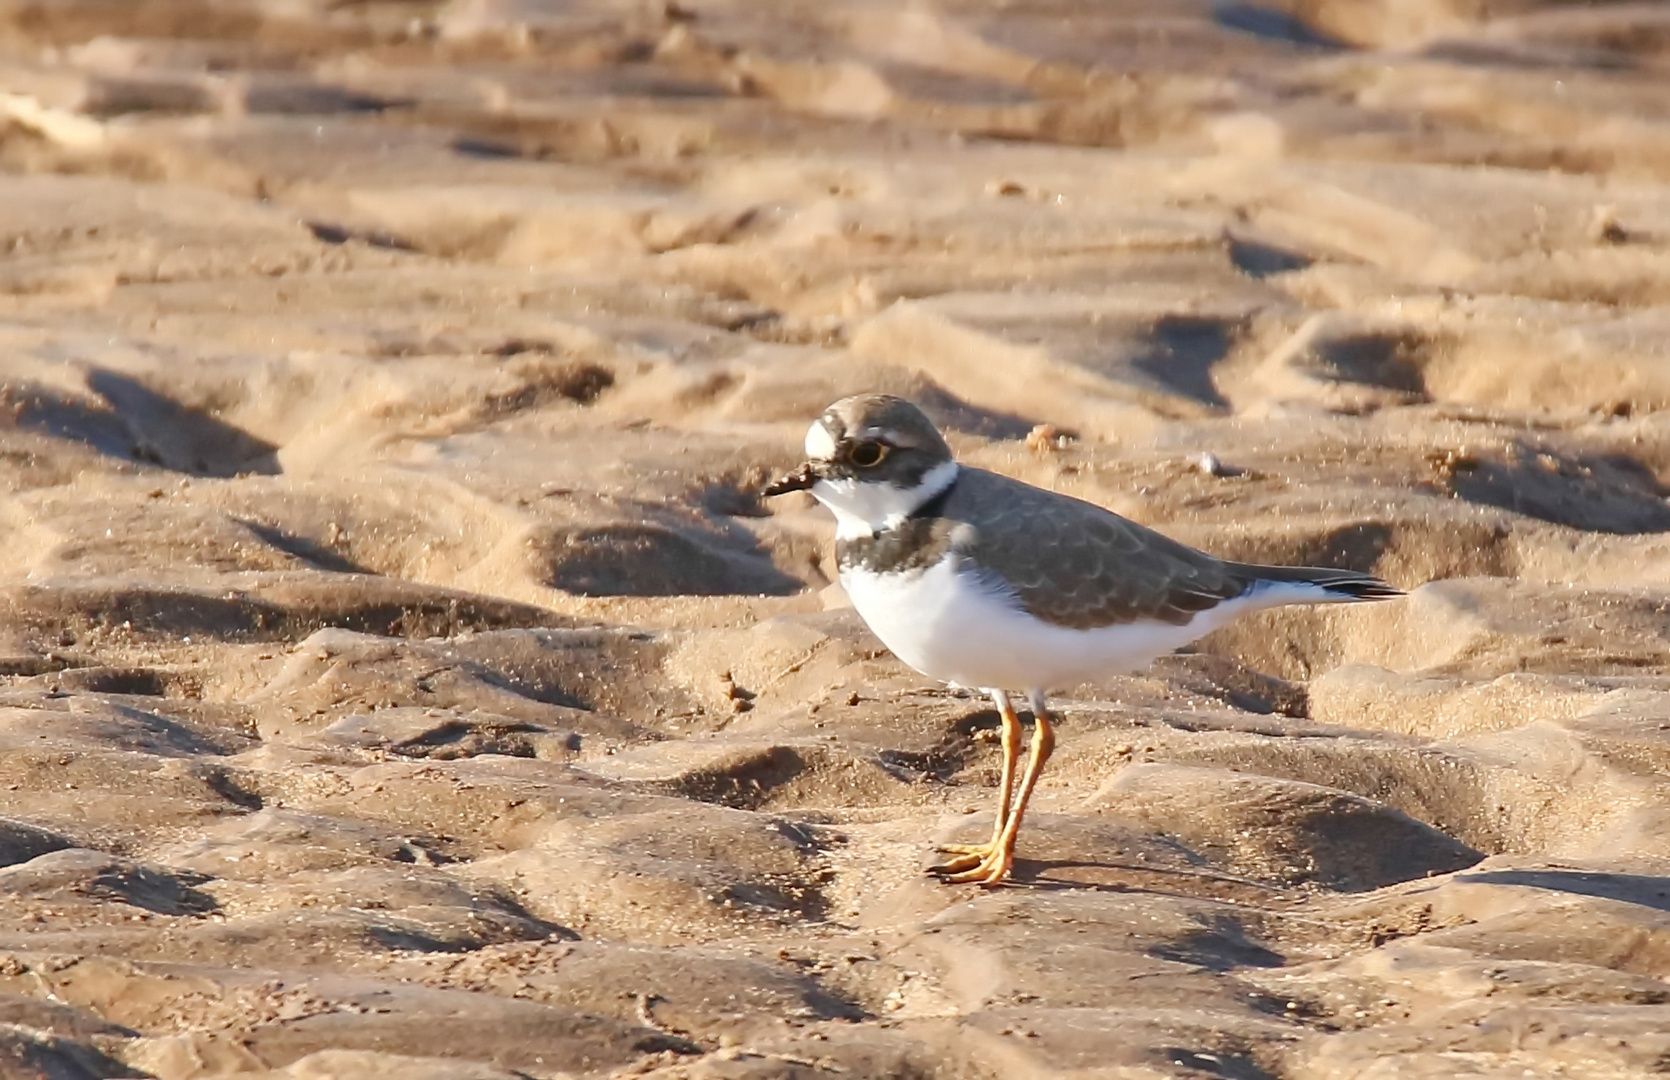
{"x":1076,"y":564}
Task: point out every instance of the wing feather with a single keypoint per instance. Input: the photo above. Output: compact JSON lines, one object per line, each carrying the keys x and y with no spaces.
{"x":1075,"y":564}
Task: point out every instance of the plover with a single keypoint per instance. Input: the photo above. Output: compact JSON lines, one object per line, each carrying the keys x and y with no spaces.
{"x":982,"y":581}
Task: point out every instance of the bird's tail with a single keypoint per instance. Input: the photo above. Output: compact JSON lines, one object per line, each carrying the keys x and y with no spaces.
{"x":1311,"y":585}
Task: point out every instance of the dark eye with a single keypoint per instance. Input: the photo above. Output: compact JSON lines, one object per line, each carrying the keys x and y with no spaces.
{"x":867,"y":455}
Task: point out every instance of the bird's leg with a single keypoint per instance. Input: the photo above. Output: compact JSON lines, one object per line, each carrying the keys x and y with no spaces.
{"x":971,"y":855}
{"x":994,"y":868}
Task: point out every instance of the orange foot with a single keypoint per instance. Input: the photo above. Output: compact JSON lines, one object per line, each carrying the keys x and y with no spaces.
{"x":984,"y":864}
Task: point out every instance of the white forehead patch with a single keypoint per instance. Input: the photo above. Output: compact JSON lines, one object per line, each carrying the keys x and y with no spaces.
{"x":820,"y":444}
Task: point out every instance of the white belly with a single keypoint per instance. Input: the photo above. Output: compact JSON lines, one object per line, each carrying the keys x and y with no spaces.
{"x":954,"y":628}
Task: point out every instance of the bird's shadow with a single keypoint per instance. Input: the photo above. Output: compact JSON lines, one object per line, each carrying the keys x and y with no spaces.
{"x":1030,"y":874}
{"x":1642,"y":889}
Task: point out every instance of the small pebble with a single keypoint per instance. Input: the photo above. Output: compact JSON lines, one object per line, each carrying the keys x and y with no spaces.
{"x":1048,"y":439}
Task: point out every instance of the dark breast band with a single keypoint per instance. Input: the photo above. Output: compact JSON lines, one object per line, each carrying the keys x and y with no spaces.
{"x":916,"y":543}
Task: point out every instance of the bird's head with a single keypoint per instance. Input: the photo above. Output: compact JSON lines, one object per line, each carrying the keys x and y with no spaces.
{"x":873,"y":459}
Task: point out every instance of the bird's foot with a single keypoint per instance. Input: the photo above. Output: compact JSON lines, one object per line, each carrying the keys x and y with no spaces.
{"x":968,"y":857}
{"x":959,"y":864}
{"x":984,"y":864}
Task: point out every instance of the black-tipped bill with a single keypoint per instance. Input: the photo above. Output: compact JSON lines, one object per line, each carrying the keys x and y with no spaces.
{"x":800,"y":479}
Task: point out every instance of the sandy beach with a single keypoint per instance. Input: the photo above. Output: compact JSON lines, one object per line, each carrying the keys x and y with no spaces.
{"x":401,"y":675}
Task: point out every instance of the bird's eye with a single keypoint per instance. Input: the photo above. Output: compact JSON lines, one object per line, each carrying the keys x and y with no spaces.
{"x":867,"y":455}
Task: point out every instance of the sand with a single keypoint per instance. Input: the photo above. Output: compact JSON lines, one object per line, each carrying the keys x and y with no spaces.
{"x":400,"y":675}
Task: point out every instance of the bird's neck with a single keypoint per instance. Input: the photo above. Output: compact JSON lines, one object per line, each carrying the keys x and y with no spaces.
{"x":867,"y":508}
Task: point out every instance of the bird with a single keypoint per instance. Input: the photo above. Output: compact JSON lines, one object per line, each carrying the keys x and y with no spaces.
{"x":981,"y":581}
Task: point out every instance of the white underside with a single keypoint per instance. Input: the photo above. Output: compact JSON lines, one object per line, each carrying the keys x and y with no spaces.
{"x":961,"y":629}
{"x":965,"y":629}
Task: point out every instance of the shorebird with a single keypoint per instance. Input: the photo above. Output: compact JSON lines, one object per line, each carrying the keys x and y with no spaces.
{"x":982,"y":581}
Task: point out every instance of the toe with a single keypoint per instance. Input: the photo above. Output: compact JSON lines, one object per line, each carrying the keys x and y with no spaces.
{"x":958,"y":866}
{"x":992,"y":870}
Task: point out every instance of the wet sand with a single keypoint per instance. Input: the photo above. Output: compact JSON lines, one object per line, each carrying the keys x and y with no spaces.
{"x":403,"y":678}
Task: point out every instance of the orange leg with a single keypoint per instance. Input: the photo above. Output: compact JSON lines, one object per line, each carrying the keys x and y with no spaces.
{"x":971,"y":855}
{"x":994,"y":868}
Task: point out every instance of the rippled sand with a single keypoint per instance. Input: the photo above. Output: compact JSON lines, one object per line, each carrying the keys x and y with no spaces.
{"x":403,"y":679}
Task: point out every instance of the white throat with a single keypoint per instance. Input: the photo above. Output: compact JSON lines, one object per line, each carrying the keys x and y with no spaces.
{"x":865,"y":508}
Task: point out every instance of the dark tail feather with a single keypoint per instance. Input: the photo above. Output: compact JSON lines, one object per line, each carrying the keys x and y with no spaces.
{"x":1340,"y":584}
